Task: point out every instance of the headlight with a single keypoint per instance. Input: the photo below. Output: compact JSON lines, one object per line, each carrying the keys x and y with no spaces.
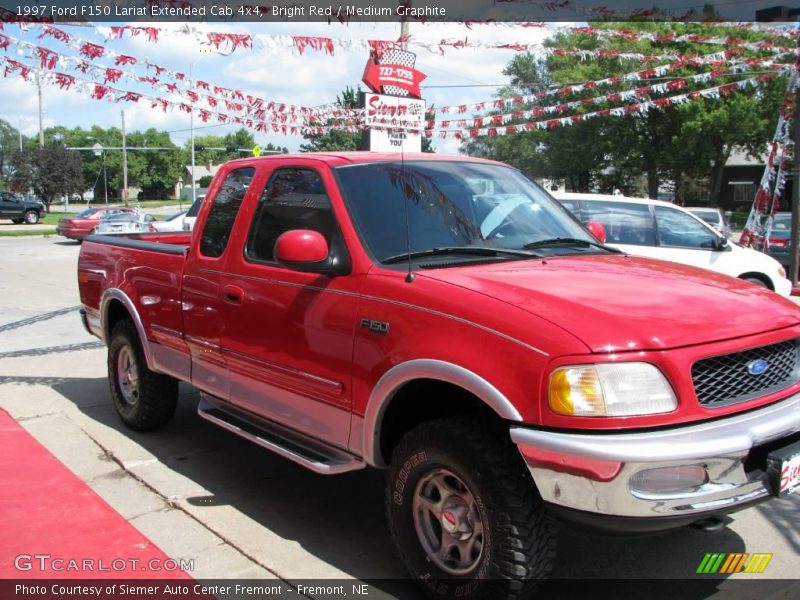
{"x":781,"y":272}
{"x":610,"y":390}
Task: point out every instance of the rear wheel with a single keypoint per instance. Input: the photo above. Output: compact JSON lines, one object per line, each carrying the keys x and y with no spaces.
{"x":756,"y":281}
{"x":31,"y":217}
{"x":464,"y":514}
{"x":144,"y":400}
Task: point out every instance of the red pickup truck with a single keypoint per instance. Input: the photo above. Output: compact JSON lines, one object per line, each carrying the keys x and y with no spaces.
{"x":444,"y":318}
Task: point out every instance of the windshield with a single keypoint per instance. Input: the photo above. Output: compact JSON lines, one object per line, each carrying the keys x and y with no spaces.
{"x":782,"y":223}
{"x":455,"y":205}
{"x":194,"y":208}
{"x":709,"y":216}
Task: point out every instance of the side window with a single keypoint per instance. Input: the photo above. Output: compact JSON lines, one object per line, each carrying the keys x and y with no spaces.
{"x":571,"y":206}
{"x":625,"y":223}
{"x":194,"y":208}
{"x":293,"y":198}
{"x":676,"y":228}
{"x":223,"y":213}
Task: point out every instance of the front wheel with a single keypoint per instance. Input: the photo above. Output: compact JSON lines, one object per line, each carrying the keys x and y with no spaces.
{"x":145,"y":400}
{"x":31,"y":217}
{"x":464,"y":514}
{"x":756,"y":281}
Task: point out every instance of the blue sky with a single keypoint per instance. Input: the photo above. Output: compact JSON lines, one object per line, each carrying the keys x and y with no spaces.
{"x":276,"y":74}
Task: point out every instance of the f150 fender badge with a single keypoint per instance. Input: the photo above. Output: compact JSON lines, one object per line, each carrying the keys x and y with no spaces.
{"x":757,"y":367}
{"x":375,"y":326}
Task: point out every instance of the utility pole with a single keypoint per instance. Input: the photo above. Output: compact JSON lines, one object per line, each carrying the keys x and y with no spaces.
{"x":124,"y":162}
{"x":19,"y":131}
{"x":404,"y":32}
{"x":41,"y":112}
{"x":191,"y":129}
{"x":793,"y":263}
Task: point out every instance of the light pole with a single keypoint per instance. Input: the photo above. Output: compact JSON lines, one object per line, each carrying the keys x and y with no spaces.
{"x":99,"y":149}
{"x":191,"y":135}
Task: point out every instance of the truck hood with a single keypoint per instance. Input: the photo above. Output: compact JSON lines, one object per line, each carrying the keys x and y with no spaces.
{"x":618,"y":302}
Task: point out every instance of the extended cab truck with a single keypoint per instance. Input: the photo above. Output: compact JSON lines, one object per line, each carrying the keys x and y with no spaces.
{"x":446,"y":319}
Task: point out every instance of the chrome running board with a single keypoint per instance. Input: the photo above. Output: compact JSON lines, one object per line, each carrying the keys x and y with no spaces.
{"x":303,"y":450}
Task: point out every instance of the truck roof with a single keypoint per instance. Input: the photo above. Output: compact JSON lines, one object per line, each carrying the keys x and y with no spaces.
{"x":363,"y":156}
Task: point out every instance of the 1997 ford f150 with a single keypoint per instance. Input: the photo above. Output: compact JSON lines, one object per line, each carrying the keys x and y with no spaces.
{"x":444,"y":318}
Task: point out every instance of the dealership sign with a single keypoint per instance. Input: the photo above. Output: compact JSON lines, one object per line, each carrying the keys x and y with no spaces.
{"x":380,"y":76}
{"x":395,"y":113}
{"x":395,"y":123}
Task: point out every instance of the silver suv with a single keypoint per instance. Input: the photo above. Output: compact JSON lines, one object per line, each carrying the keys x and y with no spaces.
{"x":714,"y":217}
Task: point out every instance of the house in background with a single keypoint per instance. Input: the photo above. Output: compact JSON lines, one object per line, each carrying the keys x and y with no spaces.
{"x":741,"y":178}
{"x":183,"y":188}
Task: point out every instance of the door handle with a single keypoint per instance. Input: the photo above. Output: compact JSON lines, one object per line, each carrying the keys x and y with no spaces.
{"x":233,"y":294}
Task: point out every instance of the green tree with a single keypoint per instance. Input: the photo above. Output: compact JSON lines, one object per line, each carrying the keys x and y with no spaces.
{"x":9,"y":144}
{"x":336,"y":139}
{"x":51,"y":171}
{"x":669,"y":145}
{"x":216,"y":149}
{"x":154,"y":171}
{"x":205,"y":181}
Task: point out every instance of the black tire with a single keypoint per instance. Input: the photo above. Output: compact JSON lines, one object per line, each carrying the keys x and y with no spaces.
{"x":31,"y":217}
{"x":756,"y":281}
{"x":156,"y":395}
{"x":518,"y":538}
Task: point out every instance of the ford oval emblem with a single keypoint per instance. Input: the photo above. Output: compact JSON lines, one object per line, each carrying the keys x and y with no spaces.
{"x":757,"y":367}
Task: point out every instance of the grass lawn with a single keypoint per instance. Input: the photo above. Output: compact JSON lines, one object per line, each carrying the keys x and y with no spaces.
{"x":53,"y":217}
{"x":24,"y":232}
{"x":145,"y":204}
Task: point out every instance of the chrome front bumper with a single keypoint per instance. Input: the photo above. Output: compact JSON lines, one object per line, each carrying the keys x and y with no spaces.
{"x":721,"y":447}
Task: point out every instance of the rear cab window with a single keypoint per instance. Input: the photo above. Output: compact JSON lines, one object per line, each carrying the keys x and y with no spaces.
{"x":225,"y":208}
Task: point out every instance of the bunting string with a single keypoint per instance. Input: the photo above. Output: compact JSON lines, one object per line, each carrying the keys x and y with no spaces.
{"x":715,"y":59}
{"x":642,"y":92}
{"x":767,"y":200}
{"x":192,"y":91}
{"x":228,"y":43}
{"x":633,"y":108}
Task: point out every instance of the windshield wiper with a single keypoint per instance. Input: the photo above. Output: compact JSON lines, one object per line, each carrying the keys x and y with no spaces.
{"x":464,"y":250}
{"x":567,"y":241}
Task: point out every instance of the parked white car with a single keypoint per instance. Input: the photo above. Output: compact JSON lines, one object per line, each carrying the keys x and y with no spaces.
{"x":172,"y":223}
{"x":131,"y":222}
{"x":656,"y":229}
{"x":191,"y":214}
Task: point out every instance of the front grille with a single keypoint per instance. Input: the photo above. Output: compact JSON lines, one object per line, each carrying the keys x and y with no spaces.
{"x":723,"y":380}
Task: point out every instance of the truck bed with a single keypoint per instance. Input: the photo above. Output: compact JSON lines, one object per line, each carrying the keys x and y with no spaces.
{"x":143,"y":269}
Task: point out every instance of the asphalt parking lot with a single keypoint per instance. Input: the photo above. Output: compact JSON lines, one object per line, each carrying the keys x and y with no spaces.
{"x":200,"y":492}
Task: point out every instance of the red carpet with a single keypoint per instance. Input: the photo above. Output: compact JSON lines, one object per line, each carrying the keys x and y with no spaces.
{"x":46,"y":510}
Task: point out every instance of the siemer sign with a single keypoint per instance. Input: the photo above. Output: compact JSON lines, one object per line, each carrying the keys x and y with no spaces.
{"x":395,"y":113}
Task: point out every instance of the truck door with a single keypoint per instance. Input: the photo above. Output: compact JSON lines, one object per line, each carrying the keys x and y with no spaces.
{"x":288,"y":337}
{"x":202,"y":295}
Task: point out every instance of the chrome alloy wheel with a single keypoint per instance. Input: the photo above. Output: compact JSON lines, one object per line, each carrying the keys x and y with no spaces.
{"x":128,"y":375}
{"x":447,"y":522}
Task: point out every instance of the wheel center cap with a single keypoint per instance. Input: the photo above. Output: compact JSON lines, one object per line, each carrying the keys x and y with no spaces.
{"x":455,"y":519}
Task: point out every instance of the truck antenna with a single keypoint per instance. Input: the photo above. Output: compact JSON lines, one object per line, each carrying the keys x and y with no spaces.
{"x":410,"y":275}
